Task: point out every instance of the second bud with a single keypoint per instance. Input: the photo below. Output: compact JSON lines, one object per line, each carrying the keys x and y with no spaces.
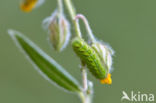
{"x":58,"y":30}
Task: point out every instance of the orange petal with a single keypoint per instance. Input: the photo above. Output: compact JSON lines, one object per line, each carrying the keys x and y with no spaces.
{"x":107,"y":80}
{"x":28,"y":5}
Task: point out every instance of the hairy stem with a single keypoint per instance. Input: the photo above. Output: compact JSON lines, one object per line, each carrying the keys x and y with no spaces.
{"x":88,"y":28}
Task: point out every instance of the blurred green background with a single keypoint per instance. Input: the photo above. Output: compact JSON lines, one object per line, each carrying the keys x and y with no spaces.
{"x":129,"y":26}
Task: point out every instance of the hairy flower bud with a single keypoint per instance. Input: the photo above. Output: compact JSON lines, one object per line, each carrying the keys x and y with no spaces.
{"x":105,"y":53}
{"x":29,"y":5}
{"x":59,"y":30}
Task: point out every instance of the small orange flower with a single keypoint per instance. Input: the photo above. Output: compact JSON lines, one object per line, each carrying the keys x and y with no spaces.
{"x":107,"y":80}
{"x":29,"y":5}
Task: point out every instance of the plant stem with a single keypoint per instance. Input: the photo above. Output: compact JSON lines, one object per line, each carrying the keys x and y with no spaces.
{"x":88,"y":28}
{"x":84,"y":98}
{"x":84,"y":78}
{"x":70,"y":8}
{"x":86,"y":94}
{"x":60,"y":6}
{"x":72,"y":14}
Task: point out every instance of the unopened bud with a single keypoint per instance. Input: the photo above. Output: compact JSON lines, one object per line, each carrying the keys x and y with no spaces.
{"x":105,"y":53}
{"x":59,"y":30}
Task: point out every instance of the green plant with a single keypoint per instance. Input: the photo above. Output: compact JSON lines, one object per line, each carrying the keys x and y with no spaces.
{"x":94,"y":55}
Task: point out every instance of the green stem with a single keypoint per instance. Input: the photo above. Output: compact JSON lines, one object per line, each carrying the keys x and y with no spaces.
{"x":85,"y":98}
{"x":70,"y":8}
{"x":84,"y":95}
{"x":72,"y":14}
{"x":60,"y":6}
{"x":60,"y":15}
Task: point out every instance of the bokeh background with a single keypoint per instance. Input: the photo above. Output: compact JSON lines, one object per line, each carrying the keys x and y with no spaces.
{"x":129,"y":26}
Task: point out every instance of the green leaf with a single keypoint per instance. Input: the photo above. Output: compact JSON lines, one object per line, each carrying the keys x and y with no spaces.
{"x":43,"y":63}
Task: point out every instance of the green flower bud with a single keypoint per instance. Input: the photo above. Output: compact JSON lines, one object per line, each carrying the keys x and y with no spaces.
{"x":59,"y":30}
{"x":89,"y":56}
{"x":105,"y":53}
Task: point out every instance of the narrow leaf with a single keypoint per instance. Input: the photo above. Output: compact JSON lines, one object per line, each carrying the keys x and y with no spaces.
{"x":46,"y":66}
